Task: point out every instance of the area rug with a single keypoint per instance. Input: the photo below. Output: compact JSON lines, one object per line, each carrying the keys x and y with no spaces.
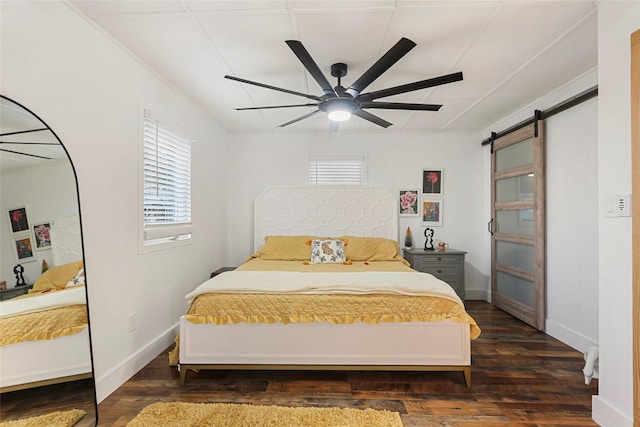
{"x":177,"y":414}
{"x":54,"y":419}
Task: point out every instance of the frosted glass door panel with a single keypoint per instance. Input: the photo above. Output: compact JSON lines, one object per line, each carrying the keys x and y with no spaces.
{"x":515,"y":222}
{"x":516,"y":155}
{"x":515,"y":255}
{"x":515,"y":288}
{"x":515,"y":189}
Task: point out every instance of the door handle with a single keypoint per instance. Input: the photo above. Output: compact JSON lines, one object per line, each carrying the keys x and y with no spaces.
{"x":490,"y":226}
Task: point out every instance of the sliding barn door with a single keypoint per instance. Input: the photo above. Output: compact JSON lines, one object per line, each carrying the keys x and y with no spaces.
{"x":518,"y":225}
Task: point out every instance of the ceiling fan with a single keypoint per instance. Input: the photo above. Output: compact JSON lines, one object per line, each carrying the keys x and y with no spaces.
{"x":340,"y":102}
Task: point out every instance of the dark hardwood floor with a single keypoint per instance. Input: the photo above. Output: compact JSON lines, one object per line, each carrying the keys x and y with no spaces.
{"x":44,"y":400}
{"x":520,"y":377}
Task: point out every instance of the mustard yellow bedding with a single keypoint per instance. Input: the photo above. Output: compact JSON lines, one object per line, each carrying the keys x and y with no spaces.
{"x":43,"y":325}
{"x":254,"y":307}
{"x":231,"y":308}
{"x":261,"y":264}
{"x":222,"y":309}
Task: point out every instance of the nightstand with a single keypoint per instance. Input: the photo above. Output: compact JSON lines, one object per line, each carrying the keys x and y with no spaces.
{"x":221,"y":270}
{"x":447,"y":266}
{"x":14,"y":292}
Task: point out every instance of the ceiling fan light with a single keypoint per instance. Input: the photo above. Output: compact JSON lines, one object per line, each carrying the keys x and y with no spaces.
{"x":339,"y":115}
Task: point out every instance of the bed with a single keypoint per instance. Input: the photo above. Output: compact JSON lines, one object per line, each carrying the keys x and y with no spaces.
{"x":44,"y":336}
{"x":326,"y":289}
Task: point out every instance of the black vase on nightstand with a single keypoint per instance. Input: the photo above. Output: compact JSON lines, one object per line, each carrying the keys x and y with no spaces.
{"x":428,"y":244}
{"x":18,"y":270}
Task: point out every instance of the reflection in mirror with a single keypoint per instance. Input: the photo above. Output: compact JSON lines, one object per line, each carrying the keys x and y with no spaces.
{"x":45,"y":353}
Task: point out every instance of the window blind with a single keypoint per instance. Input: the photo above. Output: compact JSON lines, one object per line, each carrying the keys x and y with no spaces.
{"x":167,"y":183}
{"x":337,"y":170}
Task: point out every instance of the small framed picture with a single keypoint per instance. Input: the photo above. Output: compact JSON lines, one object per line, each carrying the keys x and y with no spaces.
{"x":43,"y":236}
{"x":432,"y":211}
{"x":18,"y":220}
{"x":409,"y":203}
{"x":24,"y":248}
{"x":432,"y":181}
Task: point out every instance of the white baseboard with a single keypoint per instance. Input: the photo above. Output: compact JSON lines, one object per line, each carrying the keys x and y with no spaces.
{"x":477,"y":294}
{"x":109,"y":382}
{"x":608,"y":416}
{"x":568,"y":336}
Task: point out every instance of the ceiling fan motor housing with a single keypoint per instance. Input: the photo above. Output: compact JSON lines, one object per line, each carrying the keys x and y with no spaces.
{"x":345,"y":103}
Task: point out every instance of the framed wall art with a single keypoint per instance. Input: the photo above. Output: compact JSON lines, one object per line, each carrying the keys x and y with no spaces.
{"x":18,"y":220}
{"x":431,"y":211}
{"x":42,"y":233}
{"x":432,"y":181}
{"x":409,"y":203}
{"x":24,"y":248}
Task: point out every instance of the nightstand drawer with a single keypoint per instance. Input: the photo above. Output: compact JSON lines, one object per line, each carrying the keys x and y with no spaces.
{"x":438,"y":271}
{"x":427,"y":260}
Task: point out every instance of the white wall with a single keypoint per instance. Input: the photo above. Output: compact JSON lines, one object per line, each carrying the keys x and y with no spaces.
{"x":614,"y":404}
{"x":395,"y":161}
{"x":47,"y":192}
{"x":91,"y":93}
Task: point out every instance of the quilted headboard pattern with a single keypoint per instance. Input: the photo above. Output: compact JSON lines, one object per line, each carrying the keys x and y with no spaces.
{"x":67,"y":239}
{"x":325,"y":211}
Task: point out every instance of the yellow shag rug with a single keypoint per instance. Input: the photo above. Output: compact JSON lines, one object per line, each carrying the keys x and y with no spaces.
{"x":54,"y":419}
{"x":241,"y":415}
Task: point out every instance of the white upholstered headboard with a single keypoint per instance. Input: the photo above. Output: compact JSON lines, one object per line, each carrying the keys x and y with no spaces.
{"x":325,"y":211}
{"x":66,"y":239}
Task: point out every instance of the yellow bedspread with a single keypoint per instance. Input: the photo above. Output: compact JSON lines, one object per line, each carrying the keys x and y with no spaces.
{"x":230,"y":308}
{"x":43,"y":315}
{"x":259,"y":264}
{"x":43,"y":325}
{"x":222,"y":309}
{"x":264,"y":301}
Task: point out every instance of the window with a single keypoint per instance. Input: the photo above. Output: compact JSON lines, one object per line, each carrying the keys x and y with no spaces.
{"x":338,"y":169}
{"x":166,"y":184}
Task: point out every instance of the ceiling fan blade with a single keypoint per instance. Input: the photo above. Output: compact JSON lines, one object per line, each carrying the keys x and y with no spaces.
{"x":28,"y":142}
{"x":23,"y":131}
{"x":275,"y":106}
{"x":422,"y":84}
{"x":25,"y":154}
{"x":333,"y":126}
{"x":313,"y":113}
{"x":311,"y":66}
{"x":370,"y":117}
{"x":392,"y":56}
{"x":292,"y":92}
{"x":400,"y":106}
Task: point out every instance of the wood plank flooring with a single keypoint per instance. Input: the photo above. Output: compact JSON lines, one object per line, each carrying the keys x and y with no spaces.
{"x":44,"y":400}
{"x":520,"y":377}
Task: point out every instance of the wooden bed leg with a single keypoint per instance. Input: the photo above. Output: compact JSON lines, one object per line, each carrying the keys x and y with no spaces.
{"x":467,"y":375}
{"x":183,"y":374}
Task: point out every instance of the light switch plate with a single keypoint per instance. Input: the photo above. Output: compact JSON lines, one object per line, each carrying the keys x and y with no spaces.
{"x":622,"y":202}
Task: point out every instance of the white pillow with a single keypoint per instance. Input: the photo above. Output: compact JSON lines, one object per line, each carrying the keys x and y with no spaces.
{"x":327,"y":251}
{"x":78,"y":280}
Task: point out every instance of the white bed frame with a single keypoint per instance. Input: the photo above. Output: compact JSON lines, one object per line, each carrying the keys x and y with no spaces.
{"x":326,"y":211}
{"x":67,"y":358}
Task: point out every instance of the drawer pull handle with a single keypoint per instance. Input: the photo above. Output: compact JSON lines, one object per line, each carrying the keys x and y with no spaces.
{"x":439,"y":258}
{"x":439,"y":271}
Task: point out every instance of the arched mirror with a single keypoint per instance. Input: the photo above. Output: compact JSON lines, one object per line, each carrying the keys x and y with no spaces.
{"x":45,"y":347}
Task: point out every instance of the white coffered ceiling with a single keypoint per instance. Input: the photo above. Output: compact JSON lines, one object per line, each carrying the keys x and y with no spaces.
{"x":511,"y":53}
